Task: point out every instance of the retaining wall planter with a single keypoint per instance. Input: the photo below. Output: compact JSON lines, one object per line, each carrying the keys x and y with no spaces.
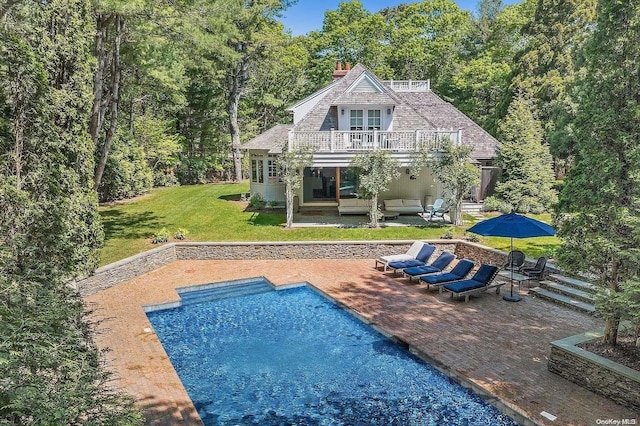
{"x":600,"y":375}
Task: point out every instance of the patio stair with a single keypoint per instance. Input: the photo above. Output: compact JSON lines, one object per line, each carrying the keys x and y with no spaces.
{"x":567,"y":291}
{"x":472,"y":207}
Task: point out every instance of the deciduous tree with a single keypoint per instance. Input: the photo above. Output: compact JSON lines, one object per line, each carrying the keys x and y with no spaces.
{"x":376,"y":170}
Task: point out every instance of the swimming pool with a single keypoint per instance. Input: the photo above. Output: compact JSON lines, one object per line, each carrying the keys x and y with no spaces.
{"x":250,"y":355}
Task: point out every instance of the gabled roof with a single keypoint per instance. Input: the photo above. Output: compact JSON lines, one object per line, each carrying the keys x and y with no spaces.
{"x":344,"y":92}
{"x":272,"y":140}
{"x":443,"y":115}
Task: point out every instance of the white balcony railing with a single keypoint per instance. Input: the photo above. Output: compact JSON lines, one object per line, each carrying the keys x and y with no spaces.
{"x":354,"y":141}
{"x":409,"y":85}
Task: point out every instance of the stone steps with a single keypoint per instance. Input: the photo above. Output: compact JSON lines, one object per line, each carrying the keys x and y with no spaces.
{"x":574,"y":282}
{"x":567,"y":291}
{"x":563,"y":300}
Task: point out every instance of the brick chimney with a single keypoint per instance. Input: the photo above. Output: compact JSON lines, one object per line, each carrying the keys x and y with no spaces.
{"x":339,"y":72}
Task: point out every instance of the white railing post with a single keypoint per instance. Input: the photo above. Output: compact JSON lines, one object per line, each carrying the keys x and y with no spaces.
{"x":415,"y":140}
{"x":375,"y":140}
{"x":332,"y":142}
{"x":290,"y":141}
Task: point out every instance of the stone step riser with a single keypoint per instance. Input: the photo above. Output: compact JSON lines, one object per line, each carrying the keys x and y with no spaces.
{"x":572,"y":282}
{"x":568,"y":291}
{"x":563,"y":300}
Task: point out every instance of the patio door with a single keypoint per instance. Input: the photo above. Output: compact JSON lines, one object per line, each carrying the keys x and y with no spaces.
{"x":319,"y":184}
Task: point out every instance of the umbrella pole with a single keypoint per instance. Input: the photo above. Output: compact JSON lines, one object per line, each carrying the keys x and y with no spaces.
{"x":511,"y":298}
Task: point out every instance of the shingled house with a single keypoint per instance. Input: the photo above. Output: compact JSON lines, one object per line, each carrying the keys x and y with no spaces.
{"x":359,"y":112}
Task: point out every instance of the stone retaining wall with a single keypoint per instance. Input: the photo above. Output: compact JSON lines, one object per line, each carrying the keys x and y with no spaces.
{"x":598,"y":374}
{"x":126,"y":269}
{"x":142,"y":263}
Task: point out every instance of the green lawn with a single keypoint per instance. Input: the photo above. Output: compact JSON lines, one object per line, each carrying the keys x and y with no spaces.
{"x":211,"y":213}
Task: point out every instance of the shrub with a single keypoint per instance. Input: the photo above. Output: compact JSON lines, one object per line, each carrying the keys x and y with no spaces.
{"x":492,"y":204}
{"x":257,"y":201}
{"x":448,"y":235}
{"x":180,"y":234}
{"x":161,"y":236}
{"x":474,"y":238}
{"x":273,"y":203}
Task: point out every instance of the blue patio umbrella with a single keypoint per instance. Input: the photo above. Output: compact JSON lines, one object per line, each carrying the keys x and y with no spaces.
{"x":512,"y":225}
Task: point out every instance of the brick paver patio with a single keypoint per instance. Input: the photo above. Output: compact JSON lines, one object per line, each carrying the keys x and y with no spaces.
{"x":488,"y":343}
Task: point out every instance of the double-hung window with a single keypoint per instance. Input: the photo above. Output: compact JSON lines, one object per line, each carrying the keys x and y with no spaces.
{"x":257,"y":174}
{"x":272,"y":169}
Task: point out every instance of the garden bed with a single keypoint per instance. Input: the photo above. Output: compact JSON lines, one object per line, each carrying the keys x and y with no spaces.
{"x":570,"y":359}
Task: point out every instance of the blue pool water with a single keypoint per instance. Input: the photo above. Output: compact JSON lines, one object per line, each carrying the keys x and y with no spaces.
{"x":292,"y":357}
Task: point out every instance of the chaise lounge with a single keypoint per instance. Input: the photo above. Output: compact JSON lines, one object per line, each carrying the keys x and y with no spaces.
{"x":409,"y":255}
{"x":437,"y":265}
{"x":480,"y":281}
{"x":461,"y":270}
{"x":421,"y":259}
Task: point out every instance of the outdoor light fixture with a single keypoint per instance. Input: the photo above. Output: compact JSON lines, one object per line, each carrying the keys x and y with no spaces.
{"x":407,"y":171}
{"x":342,"y":111}
{"x":388,"y":111}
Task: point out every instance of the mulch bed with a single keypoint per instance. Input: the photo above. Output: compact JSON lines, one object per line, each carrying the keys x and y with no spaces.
{"x":625,"y":352}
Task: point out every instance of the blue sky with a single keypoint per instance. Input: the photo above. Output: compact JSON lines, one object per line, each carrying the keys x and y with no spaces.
{"x":307,"y":15}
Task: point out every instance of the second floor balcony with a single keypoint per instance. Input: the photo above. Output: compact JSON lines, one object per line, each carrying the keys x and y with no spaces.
{"x":370,"y":140}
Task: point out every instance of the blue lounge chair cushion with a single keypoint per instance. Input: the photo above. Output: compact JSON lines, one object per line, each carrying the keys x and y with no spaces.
{"x":437,"y":266}
{"x":421,"y":270}
{"x":443,"y":260}
{"x":440,"y":278}
{"x":462,"y":268}
{"x":421,"y":258}
{"x":464,"y":285}
{"x":485,"y":273}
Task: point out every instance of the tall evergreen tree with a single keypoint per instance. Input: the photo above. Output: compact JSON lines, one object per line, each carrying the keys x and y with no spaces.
{"x":52,"y":372}
{"x":527,"y":179}
{"x":599,"y":209}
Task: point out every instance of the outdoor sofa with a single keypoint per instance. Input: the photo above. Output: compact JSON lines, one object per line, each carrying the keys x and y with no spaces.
{"x":403,"y":206}
{"x":354,"y":206}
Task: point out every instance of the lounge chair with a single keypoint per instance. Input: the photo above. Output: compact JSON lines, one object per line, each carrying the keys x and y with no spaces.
{"x":479,"y":282}
{"x":437,"y":265}
{"x":409,"y":255}
{"x":421,"y":259}
{"x":438,"y":209}
{"x":536,"y":272}
{"x":515,"y":261}
{"x":461,"y":270}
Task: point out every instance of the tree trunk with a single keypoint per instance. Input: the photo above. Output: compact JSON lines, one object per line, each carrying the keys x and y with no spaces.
{"x":95,"y":120}
{"x":114,"y":103}
{"x":611,"y":324}
{"x":373,"y":212}
{"x":236,"y":82}
{"x":289,"y":195}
